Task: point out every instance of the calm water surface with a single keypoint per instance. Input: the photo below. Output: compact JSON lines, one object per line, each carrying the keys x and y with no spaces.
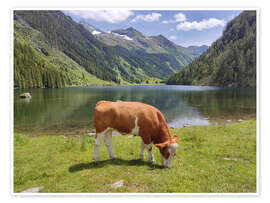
{"x":69,"y":111}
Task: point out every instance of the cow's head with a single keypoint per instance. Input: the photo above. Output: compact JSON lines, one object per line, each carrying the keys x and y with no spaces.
{"x":168,"y":151}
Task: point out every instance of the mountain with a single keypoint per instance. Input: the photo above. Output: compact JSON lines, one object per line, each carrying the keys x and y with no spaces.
{"x":230,"y":61}
{"x":52,"y":50}
{"x":130,"y":32}
{"x":195,"y":51}
{"x":90,"y":28}
{"x":136,"y":42}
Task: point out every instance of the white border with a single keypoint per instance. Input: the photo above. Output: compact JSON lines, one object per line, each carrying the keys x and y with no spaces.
{"x":258,"y":144}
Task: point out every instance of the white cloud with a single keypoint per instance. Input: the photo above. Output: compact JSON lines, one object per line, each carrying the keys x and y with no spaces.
{"x":110,"y":16}
{"x":148,"y":17}
{"x":179,"y":17}
{"x":204,"y":24}
{"x":165,"y":22}
{"x":172,"y":37}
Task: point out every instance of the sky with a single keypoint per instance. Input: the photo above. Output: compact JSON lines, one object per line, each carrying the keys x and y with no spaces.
{"x":183,"y":27}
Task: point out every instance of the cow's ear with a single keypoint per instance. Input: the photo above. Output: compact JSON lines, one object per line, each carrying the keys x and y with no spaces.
{"x":162,"y":145}
{"x":175,"y":138}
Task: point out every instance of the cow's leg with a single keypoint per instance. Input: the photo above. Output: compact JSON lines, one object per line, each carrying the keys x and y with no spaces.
{"x":150,"y":155}
{"x":98,"y":140}
{"x":149,"y":148}
{"x":142,"y":150}
{"x":146,"y":143}
{"x":108,"y":141}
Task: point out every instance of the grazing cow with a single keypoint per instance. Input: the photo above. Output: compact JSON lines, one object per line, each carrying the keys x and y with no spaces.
{"x":138,"y":119}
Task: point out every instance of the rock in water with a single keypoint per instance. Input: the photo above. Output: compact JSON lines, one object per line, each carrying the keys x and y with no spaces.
{"x":33,"y":190}
{"x":186,"y":125}
{"x":25,"y":95}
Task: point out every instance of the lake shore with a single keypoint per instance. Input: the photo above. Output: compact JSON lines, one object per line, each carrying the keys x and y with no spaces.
{"x":75,"y":131}
{"x":210,"y":159}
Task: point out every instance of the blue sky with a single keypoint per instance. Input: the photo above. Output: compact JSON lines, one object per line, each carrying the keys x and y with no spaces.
{"x":183,"y":27}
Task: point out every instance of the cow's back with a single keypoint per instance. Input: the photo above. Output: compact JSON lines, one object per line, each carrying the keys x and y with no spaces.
{"x":122,"y":116}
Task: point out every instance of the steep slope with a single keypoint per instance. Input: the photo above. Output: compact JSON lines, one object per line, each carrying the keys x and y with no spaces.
{"x":37,"y":64}
{"x":184,"y":58}
{"x":230,"y":61}
{"x":71,"y":38}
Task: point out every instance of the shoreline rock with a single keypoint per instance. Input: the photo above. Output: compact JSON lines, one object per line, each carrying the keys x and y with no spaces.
{"x":25,"y":95}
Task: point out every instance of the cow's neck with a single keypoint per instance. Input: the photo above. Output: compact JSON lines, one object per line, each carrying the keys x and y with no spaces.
{"x":164,"y":136}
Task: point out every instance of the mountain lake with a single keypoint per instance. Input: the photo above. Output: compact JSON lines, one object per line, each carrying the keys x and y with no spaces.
{"x":69,"y":111}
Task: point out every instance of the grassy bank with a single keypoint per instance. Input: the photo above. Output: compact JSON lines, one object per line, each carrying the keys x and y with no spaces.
{"x":218,"y":159}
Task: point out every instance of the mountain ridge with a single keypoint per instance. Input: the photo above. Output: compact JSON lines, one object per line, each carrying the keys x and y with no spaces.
{"x":138,"y":42}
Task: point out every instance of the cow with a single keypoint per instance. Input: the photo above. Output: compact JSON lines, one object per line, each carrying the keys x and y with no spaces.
{"x":134,"y":118}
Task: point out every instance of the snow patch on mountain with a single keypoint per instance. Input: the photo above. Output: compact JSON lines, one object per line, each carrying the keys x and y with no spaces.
{"x":123,"y":36}
{"x":95,"y":32}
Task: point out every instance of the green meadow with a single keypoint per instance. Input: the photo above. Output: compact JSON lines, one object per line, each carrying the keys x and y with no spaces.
{"x":210,"y":159}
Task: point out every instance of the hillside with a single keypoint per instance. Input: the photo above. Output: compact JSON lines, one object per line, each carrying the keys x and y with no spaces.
{"x":52,"y":50}
{"x":230,"y":61}
{"x":38,"y":64}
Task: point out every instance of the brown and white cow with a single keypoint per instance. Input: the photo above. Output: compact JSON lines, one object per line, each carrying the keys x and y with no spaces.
{"x":138,"y":119}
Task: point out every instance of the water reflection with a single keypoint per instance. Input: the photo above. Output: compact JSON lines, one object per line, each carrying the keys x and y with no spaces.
{"x":70,"y":110}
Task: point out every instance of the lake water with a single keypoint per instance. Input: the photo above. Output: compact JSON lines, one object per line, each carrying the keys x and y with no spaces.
{"x":69,"y":111}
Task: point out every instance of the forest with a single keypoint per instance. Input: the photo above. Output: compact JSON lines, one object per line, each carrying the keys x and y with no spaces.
{"x":230,"y":61}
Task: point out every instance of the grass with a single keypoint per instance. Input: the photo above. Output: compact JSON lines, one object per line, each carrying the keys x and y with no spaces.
{"x":66,"y":164}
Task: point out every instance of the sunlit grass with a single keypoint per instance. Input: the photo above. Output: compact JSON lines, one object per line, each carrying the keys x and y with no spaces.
{"x":66,"y":164}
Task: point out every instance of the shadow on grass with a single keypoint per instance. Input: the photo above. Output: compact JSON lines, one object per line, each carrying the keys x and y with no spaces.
{"x":118,"y":162}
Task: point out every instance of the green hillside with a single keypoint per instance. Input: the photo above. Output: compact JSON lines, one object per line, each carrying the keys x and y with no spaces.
{"x":37,"y":64}
{"x":52,"y":50}
{"x":230,"y":61}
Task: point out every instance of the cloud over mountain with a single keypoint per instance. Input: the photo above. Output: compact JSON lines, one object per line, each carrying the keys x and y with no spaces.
{"x":179,"y":17}
{"x":201,"y":25}
{"x":148,"y":17}
{"x":172,"y":37}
